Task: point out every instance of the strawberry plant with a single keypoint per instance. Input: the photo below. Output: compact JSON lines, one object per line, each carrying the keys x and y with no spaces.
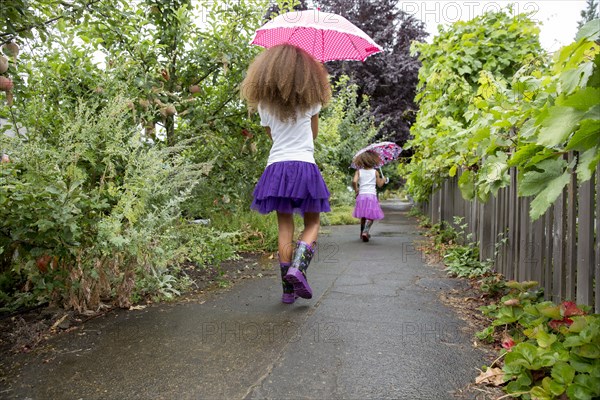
{"x":550,"y":351}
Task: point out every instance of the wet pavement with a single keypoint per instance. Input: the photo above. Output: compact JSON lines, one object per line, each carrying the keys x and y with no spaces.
{"x":374,"y":329}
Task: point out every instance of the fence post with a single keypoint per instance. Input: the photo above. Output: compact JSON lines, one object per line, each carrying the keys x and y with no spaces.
{"x":558,"y":248}
{"x":501,"y":229}
{"x":571,"y":236}
{"x":585,"y":243}
{"x":435,"y":205}
{"x":597,"y":274}
{"x":512,"y":254}
{"x":443,"y":201}
{"x":486,"y":241}
{"x":475,"y":220}
{"x":462,"y":204}
{"x":467,"y":220}
{"x":494,"y":226}
{"x":449,"y":200}
{"x":538,"y":245}
{"x":547,"y":252}
{"x":524,"y":272}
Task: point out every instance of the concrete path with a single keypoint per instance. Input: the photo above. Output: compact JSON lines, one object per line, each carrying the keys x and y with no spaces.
{"x":374,"y":330}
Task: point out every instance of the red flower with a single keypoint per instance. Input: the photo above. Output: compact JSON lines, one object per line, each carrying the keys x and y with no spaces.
{"x":569,"y":308}
{"x":557,"y":323}
{"x":507,"y":342}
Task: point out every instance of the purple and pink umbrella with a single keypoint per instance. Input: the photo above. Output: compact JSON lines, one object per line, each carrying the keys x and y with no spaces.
{"x":325,"y":36}
{"x":387,"y":152}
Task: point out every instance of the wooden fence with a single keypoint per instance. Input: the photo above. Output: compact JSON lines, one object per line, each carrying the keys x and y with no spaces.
{"x":560,"y":250}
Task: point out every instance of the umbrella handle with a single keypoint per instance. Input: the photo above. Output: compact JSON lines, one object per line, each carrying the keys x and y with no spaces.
{"x":387,"y":180}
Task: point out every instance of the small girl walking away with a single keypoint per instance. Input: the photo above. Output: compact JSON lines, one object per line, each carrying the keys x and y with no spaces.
{"x":367,"y":205}
{"x":288,"y":87}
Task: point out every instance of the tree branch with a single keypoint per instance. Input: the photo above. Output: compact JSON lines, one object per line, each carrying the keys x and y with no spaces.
{"x":8,"y":37}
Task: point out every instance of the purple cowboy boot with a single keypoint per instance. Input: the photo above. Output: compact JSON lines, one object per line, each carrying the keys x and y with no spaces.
{"x":296,"y":274}
{"x":288,"y":296}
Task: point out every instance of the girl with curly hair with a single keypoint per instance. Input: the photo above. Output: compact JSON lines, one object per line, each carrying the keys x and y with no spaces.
{"x":288,"y":87}
{"x":365,"y":179}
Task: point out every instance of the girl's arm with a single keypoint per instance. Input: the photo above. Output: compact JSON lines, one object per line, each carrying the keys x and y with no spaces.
{"x":379,"y":180}
{"x":268,"y":129}
{"x":314,"y":125}
{"x":355,"y":182}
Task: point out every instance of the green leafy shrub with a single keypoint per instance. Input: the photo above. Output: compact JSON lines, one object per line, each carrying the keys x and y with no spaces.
{"x":496,"y":44}
{"x":339,"y":215}
{"x":249,"y":230}
{"x":498,"y":103}
{"x":86,"y":208}
{"x":414,"y":212}
{"x":463,"y":262}
{"x":96,"y":202}
{"x":461,"y":255}
{"x":443,"y":233}
{"x":550,"y":351}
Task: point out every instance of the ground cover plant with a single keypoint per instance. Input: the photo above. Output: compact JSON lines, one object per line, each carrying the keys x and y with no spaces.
{"x":549,"y":351}
{"x":545,"y":350}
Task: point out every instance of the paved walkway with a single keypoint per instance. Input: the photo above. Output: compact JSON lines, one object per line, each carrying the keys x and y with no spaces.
{"x":374,"y":329}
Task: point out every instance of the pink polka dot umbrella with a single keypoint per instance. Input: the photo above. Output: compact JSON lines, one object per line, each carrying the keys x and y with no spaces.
{"x":325,"y":36}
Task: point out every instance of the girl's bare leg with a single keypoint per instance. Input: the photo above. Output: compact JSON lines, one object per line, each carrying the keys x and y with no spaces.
{"x":285,"y":223}
{"x":312,"y":223}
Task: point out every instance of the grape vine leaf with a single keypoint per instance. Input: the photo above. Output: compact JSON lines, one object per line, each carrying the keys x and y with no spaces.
{"x":574,"y":77}
{"x":586,"y":137}
{"x":523,"y":154}
{"x":589,"y":31}
{"x":587,"y":164}
{"x":467,"y":185}
{"x":545,"y":185}
{"x":582,"y":100}
{"x":558,"y":125}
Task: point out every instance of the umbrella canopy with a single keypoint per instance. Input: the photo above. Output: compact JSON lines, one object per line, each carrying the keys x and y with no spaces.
{"x":387,"y":152}
{"x":325,"y":36}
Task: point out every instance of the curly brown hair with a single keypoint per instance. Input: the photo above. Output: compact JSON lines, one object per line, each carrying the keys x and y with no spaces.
{"x":367,"y":160}
{"x":286,"y":80}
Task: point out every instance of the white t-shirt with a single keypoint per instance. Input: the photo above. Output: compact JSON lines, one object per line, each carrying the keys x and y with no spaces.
{"x":366,"y":181}
{"x":292,"y":141}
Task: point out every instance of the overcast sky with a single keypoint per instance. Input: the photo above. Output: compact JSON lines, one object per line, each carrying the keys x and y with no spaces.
{"x":558,"y":17}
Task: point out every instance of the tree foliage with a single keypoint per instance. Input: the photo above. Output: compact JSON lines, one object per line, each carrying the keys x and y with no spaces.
{"x":455,"y":64}
{"x":591,"y":12}
{"x":283,"y":6}
{"x":29,"y":19}
{"x":129,"y":126}
{"x":388,"y":79}
{"x":496,"y":106}
{"x":124,"y":189}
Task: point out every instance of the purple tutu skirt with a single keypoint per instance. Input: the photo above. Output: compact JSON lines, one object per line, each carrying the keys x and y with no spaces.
{"x":367,"y":206}
{"x":291,"y":187}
